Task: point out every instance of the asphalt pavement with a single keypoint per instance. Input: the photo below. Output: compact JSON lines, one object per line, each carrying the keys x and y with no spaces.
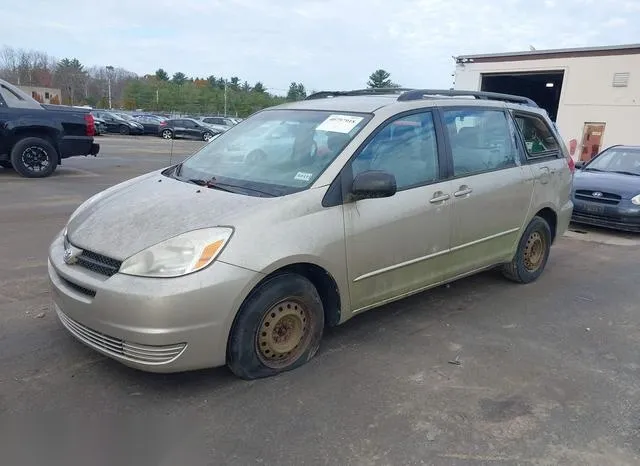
{"x":480,"y":372}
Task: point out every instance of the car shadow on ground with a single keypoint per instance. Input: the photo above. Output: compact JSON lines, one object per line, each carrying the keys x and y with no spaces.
{"x":427,"y":309}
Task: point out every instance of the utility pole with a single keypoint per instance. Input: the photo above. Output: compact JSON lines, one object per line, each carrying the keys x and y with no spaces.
{"x":225,"y":97}
{"x":109,"y":71}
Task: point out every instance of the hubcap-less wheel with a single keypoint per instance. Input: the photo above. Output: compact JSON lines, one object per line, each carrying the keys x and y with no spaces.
{"x":284,"y":334}
{"x":534,"y":251}
{"x":35,"y":158}
{"x":166,"y":134}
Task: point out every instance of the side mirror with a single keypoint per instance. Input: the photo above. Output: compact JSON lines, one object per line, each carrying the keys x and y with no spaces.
{"x":580,"y":164}
{"x":373,"y":184}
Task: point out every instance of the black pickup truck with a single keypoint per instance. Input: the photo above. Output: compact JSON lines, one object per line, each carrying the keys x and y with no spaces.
{"x":35,"y":137}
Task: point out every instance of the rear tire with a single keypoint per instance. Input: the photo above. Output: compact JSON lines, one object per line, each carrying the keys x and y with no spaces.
{"x":532,"y":254}
{"x":34,"y":157}
{"x":278,"y":328}
{"x":167,"y":134}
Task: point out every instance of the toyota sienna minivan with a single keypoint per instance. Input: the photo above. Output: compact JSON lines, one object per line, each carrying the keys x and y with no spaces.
{"x":246,"y":260}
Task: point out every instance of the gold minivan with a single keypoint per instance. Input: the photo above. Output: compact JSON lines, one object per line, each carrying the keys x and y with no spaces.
{"x":305,"y":215}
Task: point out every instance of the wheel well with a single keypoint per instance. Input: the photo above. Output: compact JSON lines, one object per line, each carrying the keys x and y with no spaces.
{"x":37,"y":133}
{"x":551,"y":218}
{"x":324,"y":283}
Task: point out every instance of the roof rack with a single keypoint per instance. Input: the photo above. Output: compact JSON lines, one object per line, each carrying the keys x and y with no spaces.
{"x":356,"y":92}
{"x":418,"y":94}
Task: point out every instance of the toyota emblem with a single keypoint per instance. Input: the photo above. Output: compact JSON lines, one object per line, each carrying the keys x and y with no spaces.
{"x":70,"y":256}
{"x":597,"y":194}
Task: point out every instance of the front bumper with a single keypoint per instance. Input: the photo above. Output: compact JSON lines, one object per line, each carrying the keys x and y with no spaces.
{"x":156,"y":325}
{"x":624,"y":216}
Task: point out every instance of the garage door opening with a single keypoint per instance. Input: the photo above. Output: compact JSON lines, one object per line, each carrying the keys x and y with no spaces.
{"x":543,"y":87}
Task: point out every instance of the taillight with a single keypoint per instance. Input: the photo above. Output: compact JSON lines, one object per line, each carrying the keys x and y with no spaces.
{"x":163,"y":123}
{"x":90,"y":124}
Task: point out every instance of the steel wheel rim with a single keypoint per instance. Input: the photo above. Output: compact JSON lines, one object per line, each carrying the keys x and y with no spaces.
{"x":534,"y":251}
{"x":166,"y":134}
{"x":35,"y":158}
{"x":284,"y":334}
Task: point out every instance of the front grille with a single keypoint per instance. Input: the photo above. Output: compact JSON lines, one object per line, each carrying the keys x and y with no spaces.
{"x":120,"y":349}
{"x":80,"y":289}
{"x":604,"y":198}
{"x":98,"y":263}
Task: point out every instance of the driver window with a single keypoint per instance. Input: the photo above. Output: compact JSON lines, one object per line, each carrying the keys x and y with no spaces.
{"x":406,"y":148}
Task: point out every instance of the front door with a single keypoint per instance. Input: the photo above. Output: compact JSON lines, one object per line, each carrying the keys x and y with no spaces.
{"x":592,"y":135}
{"x":491,"y":189}
{"x":398,"y":245}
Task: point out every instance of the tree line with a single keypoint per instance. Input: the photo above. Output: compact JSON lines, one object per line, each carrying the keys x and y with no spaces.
{"x":159,"y":91}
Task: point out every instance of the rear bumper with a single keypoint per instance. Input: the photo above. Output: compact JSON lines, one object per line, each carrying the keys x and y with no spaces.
{"x":71,"y":146}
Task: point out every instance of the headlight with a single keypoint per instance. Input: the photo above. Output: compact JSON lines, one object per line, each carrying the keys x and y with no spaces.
{"x":180,"y":255}
{"x":636,"y":200}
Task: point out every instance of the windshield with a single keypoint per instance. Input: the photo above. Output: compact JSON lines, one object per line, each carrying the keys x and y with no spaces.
{"x":275,"y":152}
{"x":617,"y":160}
{"x":124,"y":116}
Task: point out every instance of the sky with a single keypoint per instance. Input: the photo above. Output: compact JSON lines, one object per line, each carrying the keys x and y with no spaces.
{"x":326,"y":45}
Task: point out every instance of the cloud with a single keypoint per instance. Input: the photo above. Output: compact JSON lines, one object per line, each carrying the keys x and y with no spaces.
{"x":326,"y":44}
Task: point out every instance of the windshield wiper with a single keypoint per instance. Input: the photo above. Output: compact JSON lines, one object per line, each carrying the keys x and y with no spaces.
{"x":626,"y":173}
{"x":210,"y":183}
{"x":246,"y":188}
{"x":589,"y":169}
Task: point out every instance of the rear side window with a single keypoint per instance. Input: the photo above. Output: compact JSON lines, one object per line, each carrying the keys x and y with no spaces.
{"x":480,"y":140}
{"x":538,"y":138}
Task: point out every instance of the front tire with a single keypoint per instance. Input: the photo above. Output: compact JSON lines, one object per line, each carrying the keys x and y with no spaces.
{"x":532,"y":253}
{"x":34,"y":157}
{"x":278,"y":328}
{"x":206,"y":136}
{"x":124,"y":130}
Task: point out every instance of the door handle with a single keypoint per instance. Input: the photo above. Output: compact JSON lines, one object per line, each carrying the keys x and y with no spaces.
{"x":463,"y":191}
{"x":439,"y":197}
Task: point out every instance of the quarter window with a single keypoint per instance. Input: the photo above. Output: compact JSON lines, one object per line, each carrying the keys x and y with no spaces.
{"x":406,"y":148}
{"x":538,"y":137}
{"x":481,"y":140}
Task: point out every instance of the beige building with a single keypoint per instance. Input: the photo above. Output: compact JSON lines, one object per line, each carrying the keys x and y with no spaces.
{"x":45,"y":95}
{"x":593,"y":94}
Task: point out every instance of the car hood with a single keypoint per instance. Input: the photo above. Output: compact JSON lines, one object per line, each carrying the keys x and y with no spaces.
{"x":626,"y":186}
{"x":134,"y":215}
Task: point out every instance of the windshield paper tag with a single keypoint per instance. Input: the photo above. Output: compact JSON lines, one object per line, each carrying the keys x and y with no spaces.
{"x":339,"y":123}
{"x":302,"y":176}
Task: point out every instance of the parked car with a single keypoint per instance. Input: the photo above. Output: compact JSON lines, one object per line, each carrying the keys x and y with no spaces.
{"x":606,"y":190}
{"x":34,"y":137}
{"x":151,"y":124}
{"x":186,"y":128}
{"x":219,"y":121}
{"x":208,"y":262}
{"x":117,"y":124}
{"x":101,"y":126}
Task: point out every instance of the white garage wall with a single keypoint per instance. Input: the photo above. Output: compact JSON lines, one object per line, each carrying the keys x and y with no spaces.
{"x":587,"y":93}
